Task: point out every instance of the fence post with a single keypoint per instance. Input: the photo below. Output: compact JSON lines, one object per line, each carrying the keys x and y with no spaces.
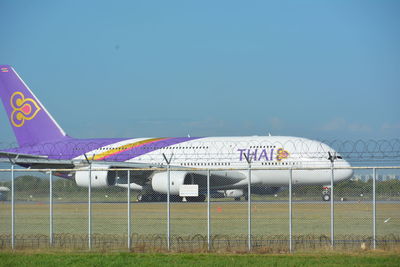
{"x":374,"y":208}
{"x":247,"y":157}
{"x":290,"y":209}
{"x":169,"y":209}
{"x":168,"y":161}
{"x":249,"y":208}
{"x":129,"y":209}
{"x":12,"y":208}
{"x":51,"y":208}
{"x":90,"y":208}
{"x":208,"y":212}
{"x":332,"y":207}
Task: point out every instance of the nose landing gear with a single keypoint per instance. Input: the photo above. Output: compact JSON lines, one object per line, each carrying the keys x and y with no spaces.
{"x":326,"y":193}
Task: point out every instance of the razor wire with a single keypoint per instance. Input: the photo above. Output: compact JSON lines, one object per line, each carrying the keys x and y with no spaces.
{"x":353,"y":216}
{"x":356,"y":151}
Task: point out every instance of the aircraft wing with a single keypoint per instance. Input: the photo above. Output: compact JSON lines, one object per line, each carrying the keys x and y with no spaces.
{"x":43,"y":162}
{"x":218,"y":179}
{"x":224,"y":179}
{"x":12,"y":155}
{"x":33,"y":161}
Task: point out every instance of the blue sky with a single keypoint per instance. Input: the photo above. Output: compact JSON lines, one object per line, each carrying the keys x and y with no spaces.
{"x":317,"y":69}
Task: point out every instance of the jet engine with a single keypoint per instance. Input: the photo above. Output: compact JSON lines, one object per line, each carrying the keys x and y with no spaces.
{"x":100,"y":176}
{"x":159,"y":182}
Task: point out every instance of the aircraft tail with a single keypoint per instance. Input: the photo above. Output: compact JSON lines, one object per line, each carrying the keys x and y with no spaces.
{"x":31,"y":122}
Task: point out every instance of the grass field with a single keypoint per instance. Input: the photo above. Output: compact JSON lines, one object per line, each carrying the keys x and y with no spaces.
{"x":129,"y":259}
{"x":270,"y":225}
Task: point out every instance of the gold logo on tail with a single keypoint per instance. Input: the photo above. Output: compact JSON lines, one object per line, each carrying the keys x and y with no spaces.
{"x":23,"y":109}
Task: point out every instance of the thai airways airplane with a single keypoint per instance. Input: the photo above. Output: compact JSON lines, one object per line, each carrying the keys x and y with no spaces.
{"x":44,"y":144}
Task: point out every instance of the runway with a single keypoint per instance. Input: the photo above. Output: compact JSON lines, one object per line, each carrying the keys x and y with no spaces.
{"x":369,"y":202}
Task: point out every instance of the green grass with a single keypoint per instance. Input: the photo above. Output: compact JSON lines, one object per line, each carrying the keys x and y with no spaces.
{"x":130,"y":259}
{"x":353,"y":222}
{"x":191,"y":218}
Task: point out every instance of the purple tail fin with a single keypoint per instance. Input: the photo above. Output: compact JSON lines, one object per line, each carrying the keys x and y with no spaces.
{"x":31,"y":122}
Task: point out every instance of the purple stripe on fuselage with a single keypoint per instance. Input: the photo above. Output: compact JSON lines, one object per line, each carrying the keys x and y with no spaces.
{"x":72,"y":148}
{"x":147,"y":148}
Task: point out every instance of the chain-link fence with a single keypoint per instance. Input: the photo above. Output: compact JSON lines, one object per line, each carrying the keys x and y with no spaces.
{"x":38,"y":209}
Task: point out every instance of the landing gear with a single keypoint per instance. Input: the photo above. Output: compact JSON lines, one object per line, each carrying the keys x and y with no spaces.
{"x":326,"y":197}
{"x":326,"y":193}
{"x":237,"y":198}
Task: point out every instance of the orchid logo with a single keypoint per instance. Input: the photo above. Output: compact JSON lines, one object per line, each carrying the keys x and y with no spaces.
{"x":281,"y":154}
{"x":23,"y":109}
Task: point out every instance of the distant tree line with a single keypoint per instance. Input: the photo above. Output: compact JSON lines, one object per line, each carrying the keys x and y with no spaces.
{"x":353,"y":188}
{"x":33,"y":184}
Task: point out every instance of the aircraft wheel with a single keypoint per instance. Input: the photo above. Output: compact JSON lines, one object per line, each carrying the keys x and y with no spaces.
{"x":237,"y":198}
{"x":326,"y":197}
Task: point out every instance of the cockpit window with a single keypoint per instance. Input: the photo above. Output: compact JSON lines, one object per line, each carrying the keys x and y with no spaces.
{"x":339,"y":157}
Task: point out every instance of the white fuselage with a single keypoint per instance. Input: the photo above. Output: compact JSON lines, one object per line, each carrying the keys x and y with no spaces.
{"x":271,"y":157}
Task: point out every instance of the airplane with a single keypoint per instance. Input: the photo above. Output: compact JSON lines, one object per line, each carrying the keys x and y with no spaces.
{"x":42,"y":143}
